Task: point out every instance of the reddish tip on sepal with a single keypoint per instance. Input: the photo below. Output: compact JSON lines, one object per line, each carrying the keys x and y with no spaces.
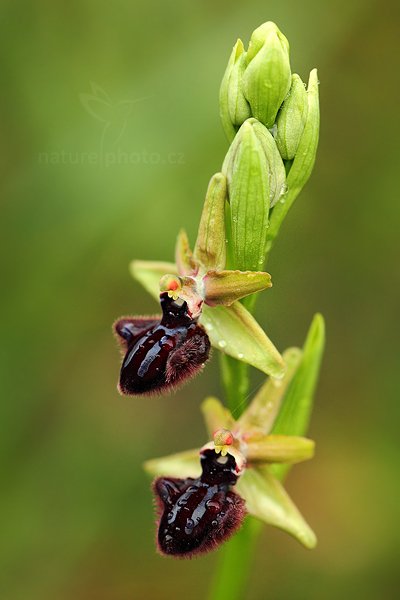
{"x":196,"y":515}
{"x":160,"y":354}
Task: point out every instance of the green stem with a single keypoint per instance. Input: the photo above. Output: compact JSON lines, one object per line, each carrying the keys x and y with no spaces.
{"x":234,"y":563}
{"x":235,"y":557}
{"x":235,"y":380}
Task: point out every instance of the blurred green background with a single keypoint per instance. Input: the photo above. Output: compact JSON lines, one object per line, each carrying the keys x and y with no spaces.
{"x":80,"y":199}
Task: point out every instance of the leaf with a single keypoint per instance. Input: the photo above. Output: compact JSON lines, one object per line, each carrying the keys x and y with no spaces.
{"x":233,"y":330}
{"x":295,"y":413}
{"x":183,"y":464}
{"x":215,"y":415}
{"x":267,"y":499}
{"x":280,"y":449}
{"x":210,"y":248}
{"x":263,"y":409}
{"x":225,"y":287}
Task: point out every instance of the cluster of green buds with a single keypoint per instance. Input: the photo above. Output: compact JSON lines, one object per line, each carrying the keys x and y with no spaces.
{"x":272,"y":122}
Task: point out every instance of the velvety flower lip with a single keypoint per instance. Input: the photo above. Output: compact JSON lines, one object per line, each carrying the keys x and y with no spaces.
{"x":197,"y":514}
{"x":160,"y":353}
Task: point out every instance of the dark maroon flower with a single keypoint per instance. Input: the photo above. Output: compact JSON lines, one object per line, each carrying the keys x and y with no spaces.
{"x":160,"y":352}
{"x":198,"y":514}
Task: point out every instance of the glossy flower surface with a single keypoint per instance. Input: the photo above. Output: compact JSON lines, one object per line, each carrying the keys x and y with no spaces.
{"x":160,"y":353}
{"x":196,"y":514}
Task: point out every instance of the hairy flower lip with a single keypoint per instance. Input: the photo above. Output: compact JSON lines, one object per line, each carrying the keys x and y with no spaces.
{"x":195,"y":515}
{"x":160,"y":354}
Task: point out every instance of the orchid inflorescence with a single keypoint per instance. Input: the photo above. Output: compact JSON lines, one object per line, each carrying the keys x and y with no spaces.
{"x":207,"y":298}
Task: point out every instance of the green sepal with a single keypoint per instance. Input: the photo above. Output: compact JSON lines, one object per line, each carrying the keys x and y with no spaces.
{"x":210,"y":247}
{"x":291,"y":119}
{"x":234,"y":331}
{"x":267,"y":500}
{"x":267,"y":78}
{"x":182,"y":464}
{"x":294,"y":416}
{"x":225,"y":287}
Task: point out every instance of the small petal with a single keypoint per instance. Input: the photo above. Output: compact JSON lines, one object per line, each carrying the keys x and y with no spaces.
{"x":210,"y":248}
{"x":233,"y":330}
{"x":266,"y":499}
{"x":225,"y":287}
{"x":279,"y":449}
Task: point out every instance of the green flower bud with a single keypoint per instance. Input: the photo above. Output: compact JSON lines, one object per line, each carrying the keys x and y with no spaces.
{"x":256,"y":181}
{"x":246,"y":169}
{"x":291,"y":119}
{"x":276,"y":168}
{"x":300,"y":168}
{"x":267,"y":77}
{"x":234,"y":108}
{"x":304,"y":159}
